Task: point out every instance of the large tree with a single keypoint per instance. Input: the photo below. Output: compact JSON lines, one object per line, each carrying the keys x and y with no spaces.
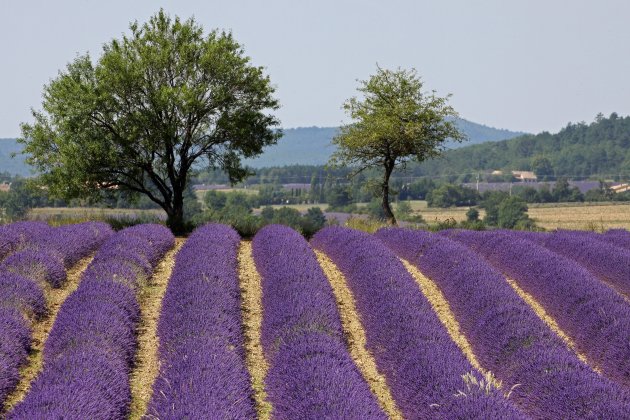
{"x":157,"y":102}
{"x":394,"y":122}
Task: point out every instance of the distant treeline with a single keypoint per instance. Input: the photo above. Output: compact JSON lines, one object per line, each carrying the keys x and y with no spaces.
{"x":600,"y":150}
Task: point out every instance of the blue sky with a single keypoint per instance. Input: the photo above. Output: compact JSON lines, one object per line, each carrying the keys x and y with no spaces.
{"x":521,"y":65}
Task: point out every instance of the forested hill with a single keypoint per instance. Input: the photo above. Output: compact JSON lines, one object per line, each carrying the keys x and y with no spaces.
{"x":601,"y":148}
{"x":312,"y":145}
{"x":298,"y":146}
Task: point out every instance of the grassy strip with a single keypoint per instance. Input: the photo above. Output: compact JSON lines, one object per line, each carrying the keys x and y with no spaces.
{"x":54,"y":299}
{"x":355,"y":337}
{"x":147,"y":366}
{"x":446,"y":316}
{"x":251,"y":294}
{"x":551,"y":323}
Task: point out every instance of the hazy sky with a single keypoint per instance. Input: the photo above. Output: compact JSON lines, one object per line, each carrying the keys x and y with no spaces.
{"x":522,"y":65}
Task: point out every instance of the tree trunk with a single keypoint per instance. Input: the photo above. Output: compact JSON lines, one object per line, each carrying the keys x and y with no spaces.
{"x":389,"y":215}
{"x":175,"y":217}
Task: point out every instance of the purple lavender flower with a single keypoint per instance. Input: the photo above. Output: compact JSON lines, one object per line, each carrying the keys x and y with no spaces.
{"x":202,"y":360}
{"x":421,"y":363}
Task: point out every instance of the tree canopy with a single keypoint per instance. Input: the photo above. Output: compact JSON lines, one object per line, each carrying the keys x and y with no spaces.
{"x":393,"y":123}
{"x":157,"y":102}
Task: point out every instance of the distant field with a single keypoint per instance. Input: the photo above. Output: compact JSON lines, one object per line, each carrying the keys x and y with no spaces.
{"x":580,"y":216}
{"x":598,"y":216}
{"x":53,"y":214}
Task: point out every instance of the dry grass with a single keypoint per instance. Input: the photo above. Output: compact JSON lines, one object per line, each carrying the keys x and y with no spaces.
{"x":147,"y":364}
{"x":582,"y":216}
{"x":551,"y":323}
{"x":355,"y":337}
{"x":446,"y":316}
{"x":251,"y":308}
{"x":41,"y":329}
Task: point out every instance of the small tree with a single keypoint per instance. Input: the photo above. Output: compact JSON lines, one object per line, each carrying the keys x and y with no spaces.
{"x":393,"y":123}
{"x":157,"y":102}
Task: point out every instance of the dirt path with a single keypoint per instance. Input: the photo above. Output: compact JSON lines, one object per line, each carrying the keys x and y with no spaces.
{"x":446,"y":316}
{"x":251,"y":308}
{"x":355,"y":337}
{"x":41,"y":329}
{"x":551,"y":323}
{"x":147,"y":365}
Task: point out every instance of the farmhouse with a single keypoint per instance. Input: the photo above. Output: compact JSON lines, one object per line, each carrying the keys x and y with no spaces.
{"x":525,"y":176}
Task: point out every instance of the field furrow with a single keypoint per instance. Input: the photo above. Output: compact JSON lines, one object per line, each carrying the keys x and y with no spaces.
{"x":355,"y":337}
{"x":595,"y":317}
{"x":146,"y":365}
{"x":607,"y":261}
{"x":540,"y":373}
{"x":37,"y":258}
{"x":311,"y":373}
{"x":550,"y":322}
{"x":428,"y":375}
{"x":251,"y":308}
{"x":90,"y":349}
{"x":54,"y":300}
{"x":446,"y":316}
{"x":201,"y":343}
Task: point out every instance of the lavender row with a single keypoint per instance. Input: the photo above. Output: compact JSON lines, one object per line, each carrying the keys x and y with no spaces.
{"x":423,"y":366}
{"x":618,"y":237}
{"x":90,"y":348}
{"x":22,"y":302}
{"x":203,"y":372}
{"x":605,"y":260}
{"x":507,"y":336}
{"x":49,"y":251}
{"x":591,"y":313}
{"x":311,"y":373}
{"x":22,"y":275}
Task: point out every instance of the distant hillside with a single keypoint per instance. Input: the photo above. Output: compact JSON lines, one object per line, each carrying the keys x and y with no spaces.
{"x":298,"y":146}
{"x":601,"y":148}
{"x":16,"y":165}
{"x":312,"y":145}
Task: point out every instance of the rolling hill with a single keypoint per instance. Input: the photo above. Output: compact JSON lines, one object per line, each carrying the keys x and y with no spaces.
{"x":298,"y":146}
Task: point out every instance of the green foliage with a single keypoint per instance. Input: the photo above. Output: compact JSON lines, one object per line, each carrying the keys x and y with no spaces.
{"x":338,"y":197}
{"x":542,"y":168}
{"x":578,"y":150}
{"x":395,"y":122}
{"x":158,"y":101}
{"x":563,"y":192}
{"x":449,"y":195}
{"x":472,"y":215}
{"x":512,"y":213}
{"x":490,"y":203}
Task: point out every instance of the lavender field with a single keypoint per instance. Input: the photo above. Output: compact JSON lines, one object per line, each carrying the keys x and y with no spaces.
{"x":400,"y":324}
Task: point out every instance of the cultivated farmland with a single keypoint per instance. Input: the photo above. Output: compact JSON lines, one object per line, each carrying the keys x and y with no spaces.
{"x":97,"y":324}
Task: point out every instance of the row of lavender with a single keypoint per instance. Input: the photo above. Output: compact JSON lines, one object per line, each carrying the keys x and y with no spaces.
{"x":90,"y":349}
{"x":607,"y":256}
{"x":201,"y":353}
{"x":421,"y":363}
{"x":311,"y":373}
{"x":589,"y":311}
{"x":35,"y":256}
{"x":505,"y":333}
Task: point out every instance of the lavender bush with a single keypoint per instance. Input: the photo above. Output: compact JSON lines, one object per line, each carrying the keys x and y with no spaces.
{"x":202,"y":360}
{"x":591,"y":313}
{"x":508,"y":338}
{"x":423,"y":366}
{"x":619,"y":237}
{"x":311,"y":374}
{"x":36,"y":254}
{"x":603,"y":259}
{"x":90,"y":348}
